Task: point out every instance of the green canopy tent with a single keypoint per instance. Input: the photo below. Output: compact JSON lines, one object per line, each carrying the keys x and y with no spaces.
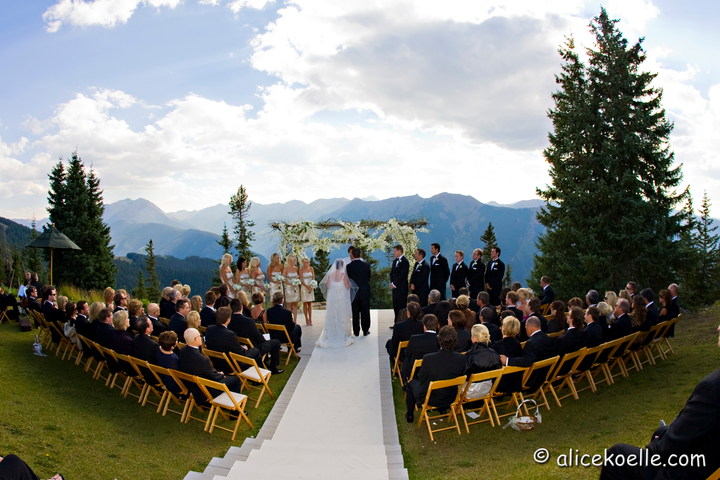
{"x":53,"y":239}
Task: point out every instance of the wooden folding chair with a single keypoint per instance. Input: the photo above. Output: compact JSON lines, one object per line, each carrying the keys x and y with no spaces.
{"x":64,"y":343}
{"x":416,"y":366}
{"x":559,"y":378}
{"x":601,"y":363}
{"x":226,"y":400}
{"x":397,"y":365}
{"x":4,"y":316}
{"x":582,"y":370}
{"x":151,"y":383}
{"x":113,"y":366}
{"x":654,"y":346}
{"x":179,"y":397}
{"x":219,"y":360}
{"x":556,"y":334}
{"x":192,"y":403}
{"x":133,"y":377}
{"x":250,"y":373}
{"x":536,"y":376}
{"x":164,"y":321}
{"x":452,"y":409}
{"x":545,"y":309}
{"x":483,"y":405}
{"x":634,"y":348}
{"x":509,"y":386}
{"x":270,"y":327}
{"x":617,"y":358}
{"x":665,"y":343}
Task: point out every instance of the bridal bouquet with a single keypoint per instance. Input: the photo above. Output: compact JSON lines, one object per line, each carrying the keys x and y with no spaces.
{"x":267,"y":286}
{"x":295,"y":281}
{"x":313,"y":283}
{"x":277,"y":277}
{"x":248,"y":282}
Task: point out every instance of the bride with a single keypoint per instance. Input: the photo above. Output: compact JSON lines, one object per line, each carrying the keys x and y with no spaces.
{"x":339,"y":292}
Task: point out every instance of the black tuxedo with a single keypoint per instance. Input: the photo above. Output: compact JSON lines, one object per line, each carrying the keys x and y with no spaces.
{"x":178,"y":324}
{"x":245,"y":327}
{"x":418,"y":346}
{"x":207,"y":317}
{"x":33,"y":304}
{"x":673,"y":311}
{"x":494,"y":330}
{"x":279,"y":315}
{"x":538,"y":347}
{"x":548,"y":295}
{"x":192,"y":362}
{"x":440,"y":365}
{"x":476,"y":279}
{"x":439,"y":274}
{"x":402,"y":331}
{"x":570,"y":341}
{"x":419,"y":281}
{"x":494,"y":274}
{"x":458,"y":275}
{"x":121,"y":341}
{"x":399,"y":278}
{"x":653,"y":315}
{"x":159,"y":327}
{"x":621,"y":328}
{"x":82,"y":326}
{"x":144,"y":348}
{"x":429,"y":309}
{"x":104,"y":334}
{"x":167,"y":309}
{"x":359,"y":272}
{"x":222,"y":339}
{"x":593,"y":334}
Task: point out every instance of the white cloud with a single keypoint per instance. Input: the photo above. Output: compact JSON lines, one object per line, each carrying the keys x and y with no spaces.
{"x":237,"y":5}
{"x":105,"y":13}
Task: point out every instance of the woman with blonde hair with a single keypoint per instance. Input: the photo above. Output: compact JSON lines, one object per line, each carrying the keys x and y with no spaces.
{"x":256,"y":275}
{"x":108,"y":296}
{"x":509,"y":345}
{"x":307,"y":289}
{"x":275,"y":275}
{"x":193,"y":319}
{"x":185,"y":291}
{"x":245,"y":302}
{"x":292,"y":284}
{"x":196,"y":303}
{"x":226,"y":274}
{"x":121,"y":340}
{"x":94,"y":309}
{"x":480,"y":357}
{"x":463,"y":303}
{"x":611,"y":298}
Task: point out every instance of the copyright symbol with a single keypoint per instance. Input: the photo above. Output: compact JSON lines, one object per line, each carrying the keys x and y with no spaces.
{"x":541,"y":455}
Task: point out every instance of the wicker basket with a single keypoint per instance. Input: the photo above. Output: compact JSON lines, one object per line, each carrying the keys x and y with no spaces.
{"x":526,"y":422}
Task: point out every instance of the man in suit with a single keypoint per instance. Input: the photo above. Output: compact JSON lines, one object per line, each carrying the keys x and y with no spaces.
{"x":359,"y":272}
{"x":279,"y":315}
{"x":476,"y":276}
{"x":494,"y":274}
{"x":144,"y":347}
{"x":51,"y":312}
{"x":674,"y":307}
{"x":695,"y":431}
{"x":458,"y":274}
{"x":220,"y":338}
{"x":487,"y":316}
{"x":207,"y":313}
{"x":444,"y":364}
{"x":32,"y":302}
{"x":439,"y":270}
{"x":178,"y":322}
{"x":420,"y":344}
{"x":653,"y":314}
{"x":153,"y":313}
{"x":104,"y":331}
{"x":573,"y":339}
{"x":245,"y":327}
{"x":622,"y":325}
{"x":82,"y":324}
{"x":548,"y":294}
{"x":433,"y":300}
{"x":538,"y":347}
{"x":593,"y":329}
{"x":483,"y":301}
{"x":168,"y":307}
{"x":399,"y":279}
{"x":193,"y":362}
{"x":420,"y":276}
{"x":121,"y":301}
{"x":405,"y":329}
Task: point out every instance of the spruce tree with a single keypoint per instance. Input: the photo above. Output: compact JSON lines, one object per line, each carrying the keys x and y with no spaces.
{"x":139,"y":291}
{"x":32,"y":256}
{"x":701,"y":271}
{"x":321,"y":264}
{"x":489,"y":241}
{"x":609,"y":212}
{"x":239,"y":209}
{"x":153,"y":290}
{"x":225,"y":242}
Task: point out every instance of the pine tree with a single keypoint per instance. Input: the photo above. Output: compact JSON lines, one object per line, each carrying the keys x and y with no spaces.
{"x":225,"y":242}
{"x":139,"y":291}
{"x":321,"y":264}
{"x":32,"y":256}
{"x":507,"y":279}
{"x":76,"y":208}
{"x":239,"y":208}
{"x":489,"y":240}
{"x":701,"y":272}
{"x":18,"y":268}
{"x":609,"y":212}
{"x":153,"y":290}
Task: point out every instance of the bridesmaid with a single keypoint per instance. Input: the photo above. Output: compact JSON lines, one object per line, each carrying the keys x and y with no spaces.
{"x":226,"y":274}
{"x":307,"y":291}
{"x":242,"y":276}
{"x":274,"y":275}
{"x":292,"y":285}
{"x":257,"y":276}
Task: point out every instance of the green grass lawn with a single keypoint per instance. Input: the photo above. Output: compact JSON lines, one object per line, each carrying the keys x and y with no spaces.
{"x":56,"y":418}
{"x":628,"y":411}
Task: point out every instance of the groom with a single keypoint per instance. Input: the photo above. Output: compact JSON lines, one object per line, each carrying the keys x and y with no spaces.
{"x":359,"y":272}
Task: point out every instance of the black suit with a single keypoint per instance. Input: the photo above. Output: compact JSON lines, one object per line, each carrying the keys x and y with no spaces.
{"x":621,"y":328}
{"x":399,"y":278}
{"x":178,"y":324}
{"x":538,"y":347}
{"x":104,"y":334}
{"x":548,"y":295}
{"x":402,"y":331}
{"x":570,"y":341}
{"x":495,"y":333}
{"x":82,"y":326}
{"x":419,"y":281}
{"x":458,"y":275}
{"x":441,"y":365}
{"x":439,"y":274}
{"x":144,"y":348}
{"x":167,"y":309}
{"x":653,"y":315}
{"x":192,"y":362}
{"x":359,"y":272}
{"x":245,"y":327}
{"x":418,"y":346}
{"x":222,"y":339}
{"x":159,"y":327}
{"x":494,"y":274}
{"x":207,"y":316}
{"x":593,"y":334}
{"x":279,"y":315}
{"x":475,"y":279}
{"x":673,"y":311}
{"x":33,"y":304}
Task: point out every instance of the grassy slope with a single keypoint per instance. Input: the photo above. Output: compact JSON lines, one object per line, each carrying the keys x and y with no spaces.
{"x":628,"y":411}
{"x":58,"y":419}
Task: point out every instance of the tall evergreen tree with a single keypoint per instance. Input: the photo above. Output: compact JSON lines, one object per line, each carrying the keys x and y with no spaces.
{"x":153,"y":290}
{"x":76,"y":208}
{"x":321,"y":264}
{"x":225,"y":242}
{"x":701,"y":272}
{"x":489,"y":240}
{"x":507,"y":279}
{"x":140,"y":291}
{"x":239,"y":209}
{"x":32,"y":256}
{"x":609,"y":209}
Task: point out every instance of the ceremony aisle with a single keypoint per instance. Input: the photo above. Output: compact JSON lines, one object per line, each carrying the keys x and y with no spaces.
{"x":334,"y":419}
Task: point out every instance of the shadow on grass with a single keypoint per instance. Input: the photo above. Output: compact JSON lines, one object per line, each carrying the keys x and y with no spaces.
{"x":58,"y":419}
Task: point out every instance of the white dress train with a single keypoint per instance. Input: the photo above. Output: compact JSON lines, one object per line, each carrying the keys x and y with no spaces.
{"x":338,"y":317}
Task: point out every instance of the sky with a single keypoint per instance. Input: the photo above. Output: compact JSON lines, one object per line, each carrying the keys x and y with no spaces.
{"x":182,"y":101}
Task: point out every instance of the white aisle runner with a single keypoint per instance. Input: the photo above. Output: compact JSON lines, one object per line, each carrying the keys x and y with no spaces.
{"x":335,"y":424}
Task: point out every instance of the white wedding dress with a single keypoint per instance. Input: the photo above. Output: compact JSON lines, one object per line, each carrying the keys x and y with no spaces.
{"x":338,"y":313}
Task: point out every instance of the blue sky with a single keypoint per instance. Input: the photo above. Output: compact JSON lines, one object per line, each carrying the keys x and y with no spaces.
{"x":180,"y":102}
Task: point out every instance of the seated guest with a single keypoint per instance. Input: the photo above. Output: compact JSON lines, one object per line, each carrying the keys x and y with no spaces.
{"x":574,"y":338}
{"x":178,"y":322}
{"x":108,"y":296}
{"x":13,"y":467}
{"x":93,"y":318}
{"x":257,"y":310}
{"x":483,"y":300}
{"x":105,"y":330}
{"x":480,"y":357}
{"x":144,"y":347}
{"x":611,"y":298}
{"x":533,"y":308}
{"x":245,"y":302}
{"x":593,"y":329}
{"x":196,"y":303}
{"x":120,"y":300}
{"x":592,"y":298}
{"x":511,"y":300}
{"x":486,"y":316}
{"x":244,"y":326}
{"x":440,"y":365}
{"x":223,"y":299}
{"x":192,"y":362}
{"x":153,"y":313}
{"x":538,"y":347}
{"x":606,"y":316}
{"x":421,"y":344}
{"x":82,"y":320}
{"x":575,"y":302}
{"x":433,"y":299}
{"x":509,"y":345}
{"x":405,"y":329}
{"x":32,"y":302}
{"x":207,"y":314}
{"x":638,"y":314}
{"x":558,"y":320}
{"x":668,"y":309}
{"x":457,"y":320}
{"x":463,"y":305}
{"x":279,"y":315}
{"x":135,"y":311}
{"x":622,"y":326}
{"x":51,"y":312}
{"x":653,"y":314}
{"x":167,"y":358}
{"x":167,"y":303}
{"x":121,"y":340}
{"x":220,"y":338}
{"x":193,"y":319}
{"x":441,"y":312}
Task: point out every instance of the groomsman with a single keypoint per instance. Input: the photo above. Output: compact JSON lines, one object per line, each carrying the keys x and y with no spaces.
{"x":439,"y":270}
{"x":458,"y":274}
{"x":419,"y":277}
{"x":476,"y":274}
{"x":399,"y":279}
{"x":494,"y":274}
